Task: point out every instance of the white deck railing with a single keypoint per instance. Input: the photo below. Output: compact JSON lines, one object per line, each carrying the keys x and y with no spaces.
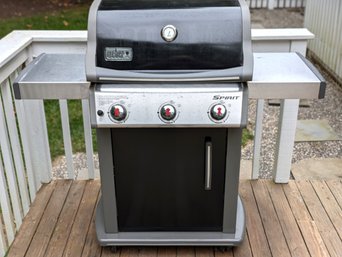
{"x":324,"y":18}
{"x":25,"y":162}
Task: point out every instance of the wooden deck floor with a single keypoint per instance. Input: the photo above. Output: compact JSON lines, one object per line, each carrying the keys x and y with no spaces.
{"x":303,"y":218}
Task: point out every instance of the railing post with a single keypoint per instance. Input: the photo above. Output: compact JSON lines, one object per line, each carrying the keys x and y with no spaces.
{"x":287,"y":128}
{"x":257,"y":138}
{"x":285,"y":141}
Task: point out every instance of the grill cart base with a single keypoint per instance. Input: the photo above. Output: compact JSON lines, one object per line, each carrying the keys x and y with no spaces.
{"x":171,"y":238}
{"x":145,"y":203}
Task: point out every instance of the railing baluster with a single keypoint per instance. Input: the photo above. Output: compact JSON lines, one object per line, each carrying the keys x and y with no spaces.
{"x":16,"y":148}
{"x":270,"y":4}
{"x":33,"y":187}
{"x":67,"y":137}
{"x":5,"y":206}
{"x":3,"y":247}
{"x":9,"y":168}
{"x":88,"y":139}
{"x":33,"y":111}
{"x":25,"y":144}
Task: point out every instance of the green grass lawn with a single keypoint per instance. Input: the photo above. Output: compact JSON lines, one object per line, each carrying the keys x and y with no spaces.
{"x":53,"y":120}
{"x":73,"y":19}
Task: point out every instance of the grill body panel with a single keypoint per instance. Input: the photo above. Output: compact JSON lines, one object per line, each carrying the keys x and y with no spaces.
{"x":160,"y":174}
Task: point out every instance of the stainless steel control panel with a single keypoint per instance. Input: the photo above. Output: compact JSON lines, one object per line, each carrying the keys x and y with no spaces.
{"x":218,"y":105}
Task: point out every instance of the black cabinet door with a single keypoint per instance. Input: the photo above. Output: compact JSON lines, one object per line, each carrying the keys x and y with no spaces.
{"x":160,"y":179}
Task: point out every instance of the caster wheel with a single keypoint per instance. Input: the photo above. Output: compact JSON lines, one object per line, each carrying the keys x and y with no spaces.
{"x":114,"y":249}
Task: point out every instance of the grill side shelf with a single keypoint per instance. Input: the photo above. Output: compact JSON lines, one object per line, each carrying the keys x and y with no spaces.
{"x":275,"y":76}
{"x":53,"y":76}
{"x":285,"y":76}
{"x":318,"y":75}
{"x":22,"y":75}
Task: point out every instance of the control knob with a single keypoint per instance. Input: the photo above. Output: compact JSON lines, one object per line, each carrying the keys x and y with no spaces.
{"x":118,"y":112}
{"x":168,"y":112}
{"x":218,"y":112}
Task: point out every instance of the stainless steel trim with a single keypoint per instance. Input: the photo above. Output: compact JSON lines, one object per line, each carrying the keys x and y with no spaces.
{"x":206,"y":88}
{"x":248,"y":62}
{"x":208,"y":165}
{"x":171,"y":238}
{"x":90,"y":58}
{"x":166,"y":125}
{"x":169,"y":79}
{"x":143,"y":104}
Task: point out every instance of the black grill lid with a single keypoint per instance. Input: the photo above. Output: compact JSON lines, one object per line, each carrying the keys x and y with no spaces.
{"x":208,"y":38}
{"x":163,"y":4}
{"x":126,"y":42}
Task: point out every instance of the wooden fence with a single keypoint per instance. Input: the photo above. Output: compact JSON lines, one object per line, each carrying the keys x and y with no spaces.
{"x":324,"y":19}
{"x":271,"y":4}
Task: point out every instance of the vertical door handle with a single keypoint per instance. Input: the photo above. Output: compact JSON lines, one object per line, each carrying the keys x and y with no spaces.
{"x":208,"y":165}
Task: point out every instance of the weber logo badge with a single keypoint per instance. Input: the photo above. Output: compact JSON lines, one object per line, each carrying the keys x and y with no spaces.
{"x":118,"y":54}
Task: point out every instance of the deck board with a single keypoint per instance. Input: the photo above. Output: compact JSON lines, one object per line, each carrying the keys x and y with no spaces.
{"x":274,"y":233}
{"x":167,"y":251}
{"x":336,"y":189}
{"x":321,"y":218}
{"x":307,"y":226}
{"x":148,"y":252}
{"x":302,"y":218}
{"x":65,"y":221}
{"x":255,"y":229}
{"x":49,"y":219}
{"x":91,"y":246}
{"x":28,"y":228}
{"x":244,"y":250}
{"x":204,"y":252}
{"x":77,"y":238}
{"x":287,"y":221}
{"x":330,"y":204}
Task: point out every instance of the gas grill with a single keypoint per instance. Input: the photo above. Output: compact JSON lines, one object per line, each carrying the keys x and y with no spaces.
{"x":166,"y":83}
{"x":169,"y":103}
